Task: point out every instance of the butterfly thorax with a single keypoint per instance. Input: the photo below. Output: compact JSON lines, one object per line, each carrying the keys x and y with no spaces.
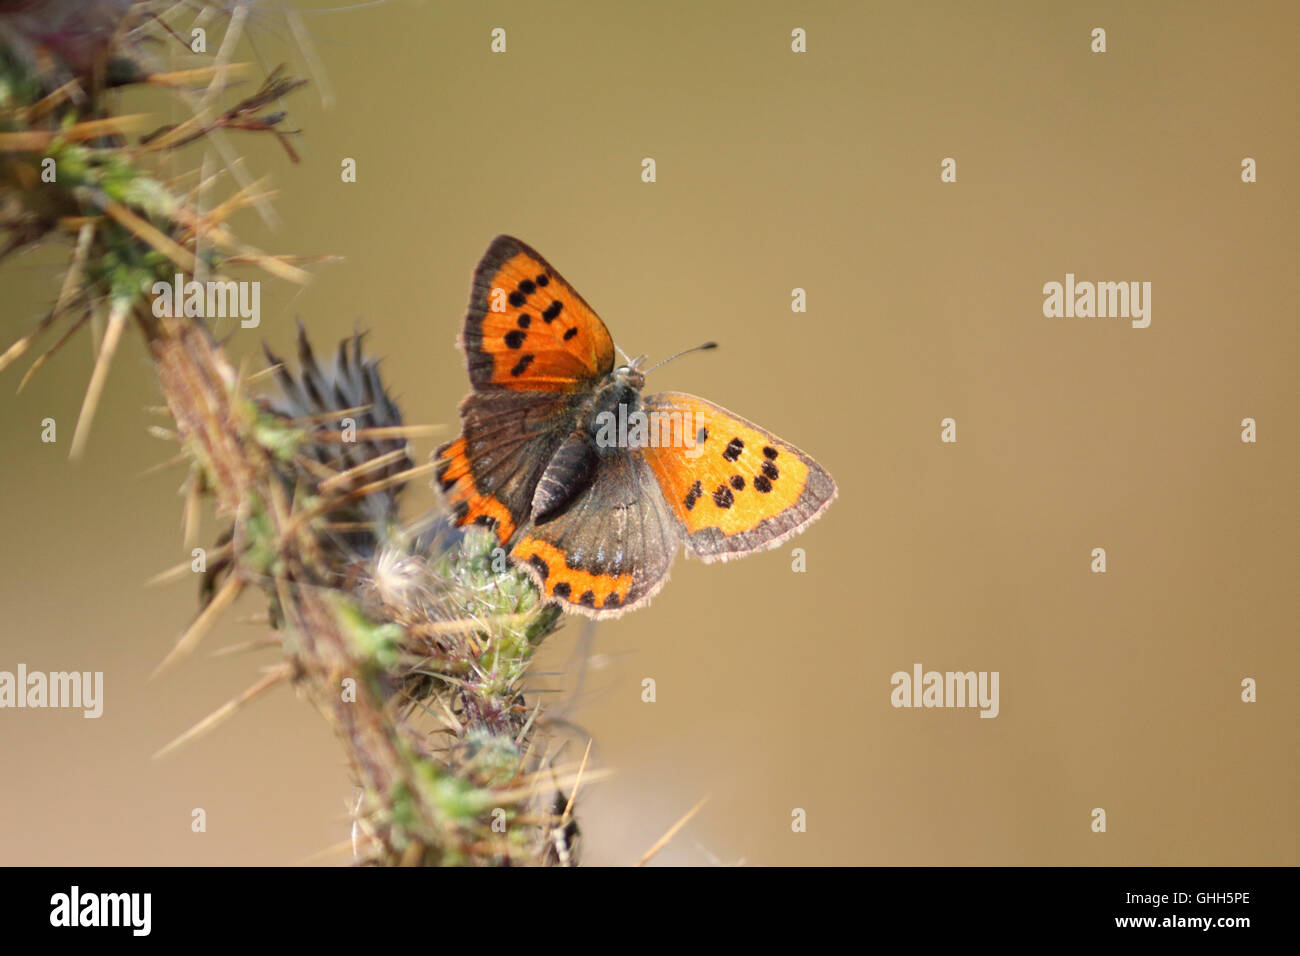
{"x":616,"y":397}
{"x":573,"y":466}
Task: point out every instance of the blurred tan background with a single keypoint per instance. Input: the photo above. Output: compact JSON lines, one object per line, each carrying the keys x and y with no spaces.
{"x":775,"y":171}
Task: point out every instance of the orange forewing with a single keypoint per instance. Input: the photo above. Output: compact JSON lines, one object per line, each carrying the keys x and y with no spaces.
{"x":538,"y":333}
{"x":741,"y":484}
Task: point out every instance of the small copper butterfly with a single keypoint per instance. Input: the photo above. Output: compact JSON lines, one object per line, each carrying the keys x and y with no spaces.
{"x":590,"y":485}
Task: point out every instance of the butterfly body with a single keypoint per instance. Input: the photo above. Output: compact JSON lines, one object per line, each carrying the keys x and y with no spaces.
{"x":576,"y":463}
{"x":590,"y":484}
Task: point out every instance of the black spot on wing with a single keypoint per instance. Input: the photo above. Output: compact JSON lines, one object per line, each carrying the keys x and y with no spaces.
{"x":693,"y":496}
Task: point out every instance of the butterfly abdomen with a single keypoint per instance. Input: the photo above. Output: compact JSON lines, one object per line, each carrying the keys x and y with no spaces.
{"x":569,"y":473}
{"x":573,"y":467}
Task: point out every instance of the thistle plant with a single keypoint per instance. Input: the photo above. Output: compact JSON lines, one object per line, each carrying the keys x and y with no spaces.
{"x":413,"y":639}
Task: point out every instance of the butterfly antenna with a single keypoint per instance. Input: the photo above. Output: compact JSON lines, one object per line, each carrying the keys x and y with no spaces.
{"x":695,"y":348}
{"x":627,"y":358}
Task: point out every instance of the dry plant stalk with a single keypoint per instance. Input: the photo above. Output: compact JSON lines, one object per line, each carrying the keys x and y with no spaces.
{"x":383,"y":627}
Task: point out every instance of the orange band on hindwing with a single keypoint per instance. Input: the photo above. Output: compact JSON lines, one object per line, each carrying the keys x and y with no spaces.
{"x":572,"y":584}
{"x":467,"y":504}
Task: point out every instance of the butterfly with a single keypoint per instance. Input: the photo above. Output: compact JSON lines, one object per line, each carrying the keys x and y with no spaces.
{"x":589,"y":485}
